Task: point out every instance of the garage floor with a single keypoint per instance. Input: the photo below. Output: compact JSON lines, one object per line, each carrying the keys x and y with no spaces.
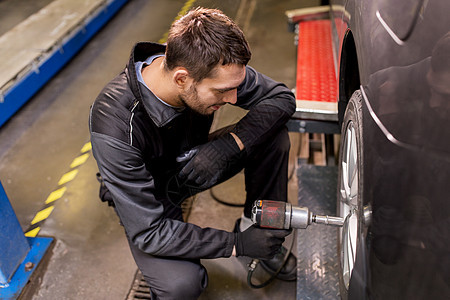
{"x":90,"y":258}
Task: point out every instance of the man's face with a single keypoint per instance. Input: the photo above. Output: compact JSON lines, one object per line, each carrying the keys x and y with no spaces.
{"x":208,"y":95}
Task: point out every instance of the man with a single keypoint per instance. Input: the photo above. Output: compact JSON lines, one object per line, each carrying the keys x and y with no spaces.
{"x":150,"y":136}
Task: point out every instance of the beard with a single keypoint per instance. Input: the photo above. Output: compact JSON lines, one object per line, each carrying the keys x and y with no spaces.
{"x":191,"y":101}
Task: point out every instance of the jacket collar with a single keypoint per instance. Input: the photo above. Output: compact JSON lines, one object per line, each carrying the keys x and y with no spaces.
{"x":160,"y":113}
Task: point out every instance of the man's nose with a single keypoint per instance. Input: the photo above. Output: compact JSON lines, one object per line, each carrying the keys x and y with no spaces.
{"x":230,"y":97}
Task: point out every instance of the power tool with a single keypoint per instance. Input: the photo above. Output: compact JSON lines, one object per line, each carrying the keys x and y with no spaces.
{"x":282,"y":215}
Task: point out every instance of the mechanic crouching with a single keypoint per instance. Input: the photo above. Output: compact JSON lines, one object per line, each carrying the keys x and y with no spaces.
{"x":150,"y":136}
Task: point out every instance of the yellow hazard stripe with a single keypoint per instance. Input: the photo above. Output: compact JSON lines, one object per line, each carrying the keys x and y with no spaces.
{"x":33,"y":232}
{"x":42,"y":215}
{"x":87,"y":147}
{"x":55,"y":195}
{"x":79,"y":160}
{"x":185,"y":8}
{"x":182,"y":12}
{"x":69,"y":176}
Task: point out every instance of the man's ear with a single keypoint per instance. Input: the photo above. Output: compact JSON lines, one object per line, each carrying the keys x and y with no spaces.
{"x":181,"y":77}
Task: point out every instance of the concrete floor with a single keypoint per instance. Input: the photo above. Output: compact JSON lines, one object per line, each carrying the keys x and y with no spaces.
{"x":90,"y":259}
{"x":12,"y":12}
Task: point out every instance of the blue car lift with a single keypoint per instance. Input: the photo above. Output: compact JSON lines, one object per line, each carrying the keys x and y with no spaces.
{"x":26,"y":84}
{"x":19,"y":255}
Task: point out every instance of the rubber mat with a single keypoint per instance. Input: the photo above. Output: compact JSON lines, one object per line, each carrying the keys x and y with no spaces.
{"x":316,"y":77}
{"x":317,"y":264}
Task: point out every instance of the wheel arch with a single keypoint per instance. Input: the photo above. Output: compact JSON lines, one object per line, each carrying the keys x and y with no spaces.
{"x":349,"y":79}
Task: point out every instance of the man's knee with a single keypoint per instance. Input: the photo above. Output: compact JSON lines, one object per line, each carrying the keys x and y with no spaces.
{"x":171,"y":278}
{"x":189,"y":287}
{"x":279,"y":143}
{"x":183,"y":285}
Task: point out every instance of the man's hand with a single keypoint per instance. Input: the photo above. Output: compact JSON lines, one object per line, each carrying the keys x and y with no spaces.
{"x":207,"y":163}
{"x":260,"y":243}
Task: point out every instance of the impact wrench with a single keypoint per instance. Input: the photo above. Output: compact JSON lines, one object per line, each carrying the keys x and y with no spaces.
{"x":282,"y":215}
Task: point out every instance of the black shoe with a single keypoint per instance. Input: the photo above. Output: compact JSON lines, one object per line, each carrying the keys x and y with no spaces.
{"x":289,"y":270}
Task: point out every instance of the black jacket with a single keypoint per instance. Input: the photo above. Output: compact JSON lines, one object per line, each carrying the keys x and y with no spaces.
{"x":136,"y":138}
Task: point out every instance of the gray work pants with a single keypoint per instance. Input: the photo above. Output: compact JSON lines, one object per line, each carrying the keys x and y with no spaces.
{"x":265,"y":178}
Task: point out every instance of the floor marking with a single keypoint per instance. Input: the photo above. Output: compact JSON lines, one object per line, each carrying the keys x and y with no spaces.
{"x":69,"y":176}
{"x":33,"y":232}
{"x":55,"y":195}
{"x":87,"y":147}
{"x":186,"y":7}
{"x":79,"y":160}
{"x":42,"y":215}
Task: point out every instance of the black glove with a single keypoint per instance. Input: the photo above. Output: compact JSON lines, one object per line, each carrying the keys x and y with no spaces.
{"x":207,"y":163}
{"x":260,"y":243}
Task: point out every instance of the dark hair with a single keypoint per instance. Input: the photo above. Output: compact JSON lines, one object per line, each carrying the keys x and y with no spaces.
{"x":202,"y":39}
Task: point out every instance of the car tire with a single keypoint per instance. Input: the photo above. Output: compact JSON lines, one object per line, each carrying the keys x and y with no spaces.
{"x":351,"y":240}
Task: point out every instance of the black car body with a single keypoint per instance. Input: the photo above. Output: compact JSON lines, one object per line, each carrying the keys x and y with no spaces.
{"x":393,"y":63}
